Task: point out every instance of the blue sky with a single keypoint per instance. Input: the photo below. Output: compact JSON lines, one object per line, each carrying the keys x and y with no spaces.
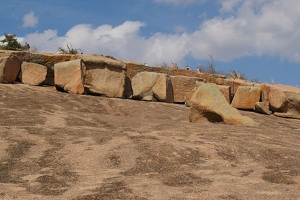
{"x":259,"y":38}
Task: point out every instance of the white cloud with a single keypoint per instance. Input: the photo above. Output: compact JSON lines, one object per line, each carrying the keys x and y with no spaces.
{"x":180,"y":29}
{"x":254,"y":28}
{"x":30,"y":20}
{"x":229,"y":5}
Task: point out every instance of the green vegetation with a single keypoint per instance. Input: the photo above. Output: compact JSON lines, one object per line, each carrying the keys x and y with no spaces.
{"x":70,"y":50}
{"x":10,"y":42}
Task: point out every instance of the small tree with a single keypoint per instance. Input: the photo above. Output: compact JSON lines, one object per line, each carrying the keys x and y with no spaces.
{"x":210,"y":68}
{"x":10,"y":42}
{"x":70,"y":50}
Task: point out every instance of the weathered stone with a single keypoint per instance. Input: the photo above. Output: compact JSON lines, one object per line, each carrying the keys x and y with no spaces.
{"x":150,"y":86}
{"x":282,"y":98}
{"x":97,"y":60}
{"x":9,"y":68}
{"x":104,"y":76}
{"x":262,"y":107}
{"x":239,"y":82}
{"x":32,"y":73}
{"x":182,"y":85}
{"x":246,"y":97}
{"x":278,"y":100}
{"x":208,"y":104}
{"x":287,"y":115}
{"x":226,"y":92}
{"x":293,"y":105}
{"x":69,"y":76}
{"x":188,"y":97}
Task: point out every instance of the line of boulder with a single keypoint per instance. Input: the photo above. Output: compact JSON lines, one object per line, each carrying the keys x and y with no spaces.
{"x":212,"y":97}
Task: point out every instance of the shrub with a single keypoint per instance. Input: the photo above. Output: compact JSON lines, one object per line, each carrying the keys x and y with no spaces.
{"x":10,"y":42}
{"x":70,"y":50}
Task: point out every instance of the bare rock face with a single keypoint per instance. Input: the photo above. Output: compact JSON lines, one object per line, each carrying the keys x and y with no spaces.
{"x":104,"y":76}
{"x":246,"y":97}
{"x":208,"y":104}
{"x":150,"y":86}
{"x":182,"y":85}
{"x":69,"y":76}
{"x":9,"y":68}
{"x":32,"y":73}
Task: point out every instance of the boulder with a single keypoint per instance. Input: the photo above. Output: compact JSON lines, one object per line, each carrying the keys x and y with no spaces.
{"x":182,"y":85}
{"x":150,"y":86}
{"x":208,"y":104}
{"x":69,"y":76}
{"x":32,"y":73}
{"x":293,"y":103}
{"x":104,"y":76}
{"x":236,"y":83}
{"x":9,"y":68}
{"x":284,"y":100}
{"x":246,"y":97}
{"x":262,"y":107}
{"x":226,"y":91}
{"x":276,"y":98}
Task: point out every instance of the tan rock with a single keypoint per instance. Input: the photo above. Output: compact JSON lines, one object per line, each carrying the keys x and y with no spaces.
{"x":284,"y":99}
{"x":208,"y":104}
{"x":32,"y":73}
{"x":293,"y":104}
{"x":287,"y":115}
{"x":9,"y":68}
{"x":101,"y":61}
{"x":150,"y":86}
{"x":182,"y":85}
{"x":104,"y":76}
{"x":246,"y":97}
{"x":262,"y":107}
{"x":69,"y":76}
{"x":277,"y":99}
{"x":239,"y":82}
{"x":226,"y":91}
{"x":105,"y":81}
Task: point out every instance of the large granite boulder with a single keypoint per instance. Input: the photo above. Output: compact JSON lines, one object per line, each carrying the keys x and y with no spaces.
{"x":284,"y":100}
{"x":246,"y":97}
{"x":104,"y":76}
{"x":9,"y":68}
{"x":150,"y":86}
{"x":69,"y":76}
{"x":182,"y":85}
{"x":32,"y":73}
{"x":208,"y":104}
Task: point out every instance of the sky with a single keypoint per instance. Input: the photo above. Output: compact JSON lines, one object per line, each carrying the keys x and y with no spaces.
{"x":257,"y":38}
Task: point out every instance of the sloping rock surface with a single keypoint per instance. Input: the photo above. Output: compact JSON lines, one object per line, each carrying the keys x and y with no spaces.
{"x":55,"y":146}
